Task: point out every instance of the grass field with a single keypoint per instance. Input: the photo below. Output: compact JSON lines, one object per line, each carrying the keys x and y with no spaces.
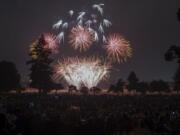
{"x":92,"y":114}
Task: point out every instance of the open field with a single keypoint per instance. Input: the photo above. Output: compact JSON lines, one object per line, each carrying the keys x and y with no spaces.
{"x":87,"y":114}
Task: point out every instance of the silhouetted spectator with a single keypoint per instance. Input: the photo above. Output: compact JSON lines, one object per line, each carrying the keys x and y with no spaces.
{"x":3,"y":123}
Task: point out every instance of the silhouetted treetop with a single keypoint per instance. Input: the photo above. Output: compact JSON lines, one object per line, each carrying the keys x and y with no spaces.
{"x":132,"y":81}
{"x":178,"y":14}
{"x":143,"y":87}
{"x":177,"y":79}
{"x":159,"y":85}
{"x":173,"y":53}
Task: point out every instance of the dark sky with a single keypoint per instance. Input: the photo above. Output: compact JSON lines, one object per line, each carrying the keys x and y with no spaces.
{"x":150,"y":25}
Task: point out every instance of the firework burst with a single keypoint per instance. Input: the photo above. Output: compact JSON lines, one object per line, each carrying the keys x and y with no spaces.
{"x":50,"y":42}
{"x":82,"y":29}
{"x":118,"y":48}
{"x":82,"y":72}
{"x":93,"y":19}
{"x":81,"y":38}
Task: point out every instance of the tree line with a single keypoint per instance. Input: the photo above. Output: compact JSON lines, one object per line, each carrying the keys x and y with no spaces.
{"x":134,"y":84}
{"x":10,"y":79}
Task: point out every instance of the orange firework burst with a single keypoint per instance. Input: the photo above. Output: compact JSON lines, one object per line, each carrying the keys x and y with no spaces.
{"x":81,"y":38}
{"x":118,"y":48}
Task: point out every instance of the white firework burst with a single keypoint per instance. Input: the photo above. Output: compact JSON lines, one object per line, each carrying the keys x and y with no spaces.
{"x":60,"y":37}
{"x":106,"y":23}
{"x":96,"y":37}
{"x":98,"y":7}
{"x":81,"y":15}
{"x":95,"y":22}
{"x":65,"y":25}
{"x":104,"y":39}
{"x":82,"y":72}
{"x":101,"y":29}
{"x":71,"y":12}
{"x":88,"y":23}
{"x":58,"y":24}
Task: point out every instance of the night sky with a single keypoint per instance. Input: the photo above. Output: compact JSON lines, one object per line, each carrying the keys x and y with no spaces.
{"x":150,"y":25}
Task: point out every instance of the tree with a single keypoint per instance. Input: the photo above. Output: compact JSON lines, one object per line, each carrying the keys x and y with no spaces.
{"x":72,"y":88}
{"x":143,"y":87}
{"x":160,"y":86}
{"x":84,"y":90}
{"x":177,"y":79}
{"x":41,"y":70}
{"x":95,"y":90}
{"x":118,"y":87}
{"x":178,"y":14}
{"x":112,"y":88}
{"x":9,"y":76}
{"x":173,"y":53}
{"x":132,"y":81}
{"x":57,"y":86}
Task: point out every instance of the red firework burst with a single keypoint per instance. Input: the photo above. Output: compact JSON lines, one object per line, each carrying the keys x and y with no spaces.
{"x":118,"y":48}
{"x":81,"y":38}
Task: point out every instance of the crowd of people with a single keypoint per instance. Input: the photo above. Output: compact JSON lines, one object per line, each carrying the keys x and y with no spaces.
{"x":40,"y":114}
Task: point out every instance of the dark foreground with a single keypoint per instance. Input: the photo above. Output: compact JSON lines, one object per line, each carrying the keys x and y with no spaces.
{"x":89,"y":115}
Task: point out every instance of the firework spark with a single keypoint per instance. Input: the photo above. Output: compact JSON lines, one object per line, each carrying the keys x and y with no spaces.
{"x":71,"y":13}
{"x":86,"y":72}
{"x":118,"y":48}
{"x":81,"y":38}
